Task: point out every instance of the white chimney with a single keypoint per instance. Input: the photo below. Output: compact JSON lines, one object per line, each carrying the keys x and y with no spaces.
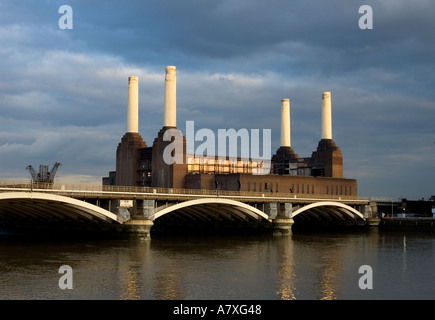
{"x":133,"y":105}
{"x":285,"y":123}
{"x":170,"y":117}
{"x":326,"y":116}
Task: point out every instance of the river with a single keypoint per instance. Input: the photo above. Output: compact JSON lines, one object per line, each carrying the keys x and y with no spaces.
{"x":302,"y":266}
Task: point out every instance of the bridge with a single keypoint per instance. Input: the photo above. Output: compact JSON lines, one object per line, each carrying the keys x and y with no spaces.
{"x":78,"y":208}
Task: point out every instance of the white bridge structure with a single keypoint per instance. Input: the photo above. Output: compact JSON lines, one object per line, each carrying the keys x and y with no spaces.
{"x":77,"y":208}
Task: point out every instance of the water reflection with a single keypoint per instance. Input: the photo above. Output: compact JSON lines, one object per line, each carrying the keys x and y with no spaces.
{"x":131,"y":290}
{"x":286,"y":270}
{"x":301,"y":266}
{"x":311,"y":266}
{"x":130,"y":270}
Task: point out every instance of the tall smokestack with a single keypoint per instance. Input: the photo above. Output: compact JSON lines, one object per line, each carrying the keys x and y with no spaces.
{"x":133,"y":105}
{"x":326,"y":116}
{"x":285,"y":123}
{"x":170,"y":117}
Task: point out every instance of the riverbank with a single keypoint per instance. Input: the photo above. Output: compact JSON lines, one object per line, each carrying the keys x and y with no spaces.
{"x":408,"y":224}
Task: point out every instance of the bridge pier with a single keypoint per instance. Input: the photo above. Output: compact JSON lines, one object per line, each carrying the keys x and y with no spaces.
{"x":136,"y":215}
{"x":278,"y":210}
{"x":281,"y":215}
{"x":373,"y":208}
{"x":271,"y":209}
{"x":371,"y":214}
{"x":140,"y":218}
{"x":282,"y":226}
{"x":145,"y":208}
{"x":138,"y":227}
{"x":129,"y":209}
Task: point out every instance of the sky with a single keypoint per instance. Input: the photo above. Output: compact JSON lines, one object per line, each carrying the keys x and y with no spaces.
{"x":63,"y":92}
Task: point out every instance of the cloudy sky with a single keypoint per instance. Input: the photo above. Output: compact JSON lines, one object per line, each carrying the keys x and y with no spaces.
{"x":63,"y":93}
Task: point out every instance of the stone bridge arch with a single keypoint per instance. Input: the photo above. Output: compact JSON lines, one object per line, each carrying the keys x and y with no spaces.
{"x":211,"y":211}
{"x":328,"y":211}
{"x":45,"y":208}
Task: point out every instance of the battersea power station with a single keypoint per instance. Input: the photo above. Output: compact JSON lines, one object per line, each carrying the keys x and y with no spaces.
{"x":142,"y":165}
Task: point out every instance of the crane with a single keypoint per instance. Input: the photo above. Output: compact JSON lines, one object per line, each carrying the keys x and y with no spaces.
{"x":44,"y":175}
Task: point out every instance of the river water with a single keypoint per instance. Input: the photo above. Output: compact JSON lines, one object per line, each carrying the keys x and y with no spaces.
{"x":303,"y":266}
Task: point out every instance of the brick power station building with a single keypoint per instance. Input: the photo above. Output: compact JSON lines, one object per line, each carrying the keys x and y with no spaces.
{"x":138,"y":164}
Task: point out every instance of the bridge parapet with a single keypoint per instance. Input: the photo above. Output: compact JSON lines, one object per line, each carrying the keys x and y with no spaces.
{"x":170,"y":193}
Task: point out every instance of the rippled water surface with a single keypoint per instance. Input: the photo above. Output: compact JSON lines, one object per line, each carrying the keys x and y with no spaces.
{"x":300,"y":266}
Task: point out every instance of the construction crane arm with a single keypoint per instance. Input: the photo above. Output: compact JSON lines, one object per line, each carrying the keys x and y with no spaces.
{"x":53,"y":172}
{"x":32,"y":173}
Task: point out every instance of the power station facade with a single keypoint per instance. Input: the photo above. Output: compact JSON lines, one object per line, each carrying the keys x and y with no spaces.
{"x":138,"y":164}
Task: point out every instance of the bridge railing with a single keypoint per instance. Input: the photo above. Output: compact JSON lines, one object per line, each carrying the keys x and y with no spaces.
{"x":63,"y":188}
{"x":385,"y":199}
